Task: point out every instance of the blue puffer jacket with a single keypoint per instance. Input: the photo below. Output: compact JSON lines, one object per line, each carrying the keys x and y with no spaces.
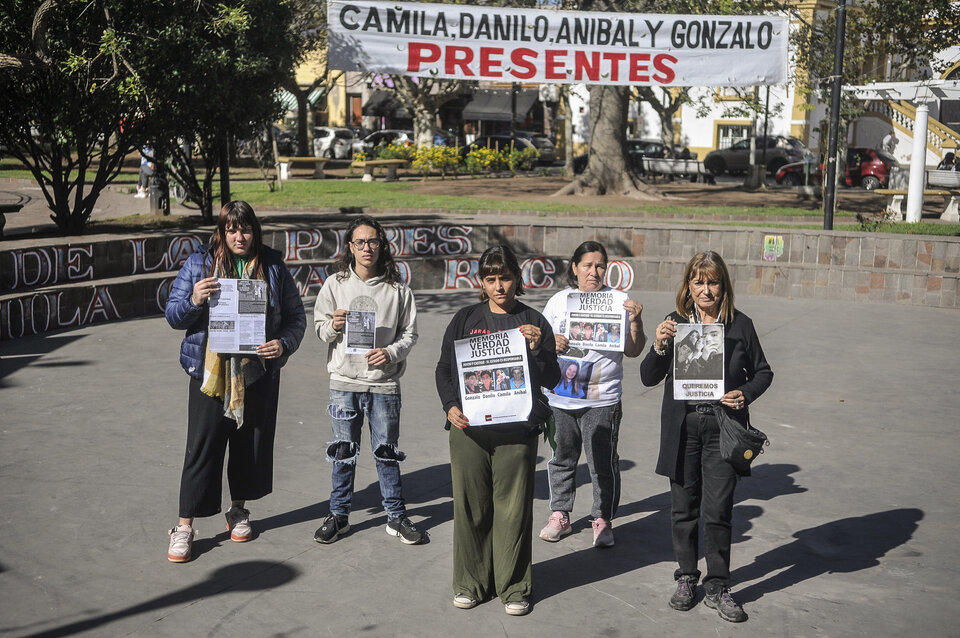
{"x":286,"y":320}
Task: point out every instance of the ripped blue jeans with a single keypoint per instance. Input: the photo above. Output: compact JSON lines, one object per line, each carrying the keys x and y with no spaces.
{"x":383,"y":414}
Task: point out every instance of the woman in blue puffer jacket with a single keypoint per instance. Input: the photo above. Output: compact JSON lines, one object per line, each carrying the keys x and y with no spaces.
{"x":232,"y":397}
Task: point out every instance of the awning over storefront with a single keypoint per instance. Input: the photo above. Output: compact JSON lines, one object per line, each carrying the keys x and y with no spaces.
{"x":385,"y":104}
{"x":494,"y":106}
{"x":289,"y":100}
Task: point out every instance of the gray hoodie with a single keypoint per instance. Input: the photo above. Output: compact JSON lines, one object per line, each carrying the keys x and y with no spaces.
{"x":396,"y":331}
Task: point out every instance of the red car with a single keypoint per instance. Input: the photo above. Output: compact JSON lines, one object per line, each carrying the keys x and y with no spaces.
{"x":866,"y":167}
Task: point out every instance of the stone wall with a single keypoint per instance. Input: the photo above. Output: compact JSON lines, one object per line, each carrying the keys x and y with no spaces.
{"x":72,"y":283}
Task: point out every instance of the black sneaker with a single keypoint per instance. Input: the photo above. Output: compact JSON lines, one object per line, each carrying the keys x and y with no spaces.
{"x":407,"y":531}
{"x":333,"y":526}
{"x":725,"y":605}
{"x":685,"y":597}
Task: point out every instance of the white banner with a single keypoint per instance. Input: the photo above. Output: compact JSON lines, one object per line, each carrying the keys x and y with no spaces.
{"x":541,"y":46}
{"x":494,"y":376}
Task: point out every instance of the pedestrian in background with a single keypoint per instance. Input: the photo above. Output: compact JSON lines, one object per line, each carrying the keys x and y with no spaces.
{"x":232,"y":398}
{"x":367,"y":280}
{"x":493,"y":465}
{"x":147,"y":169}
{"x":590,"y":421}
{"x":701,"y":483}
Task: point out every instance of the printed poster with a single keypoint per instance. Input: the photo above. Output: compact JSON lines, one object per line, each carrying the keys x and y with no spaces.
{"x":596,"y":320}
{"x":698,"y":362}
{"x":360,"y":332}
{"x":494,"y":374}
{"x":238,"y":316}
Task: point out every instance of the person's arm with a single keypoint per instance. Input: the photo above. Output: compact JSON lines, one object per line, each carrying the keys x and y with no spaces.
{"x":634,"y":340}
{"x":543,"y":358}
{"x":293,"y":318}
{"x":655,"y":366}
{"x":323,"y":312}
{"x":407,"y":333}
{"x":759,"y":372}
{"x":180,"y":311}
{"x":448,"y":387}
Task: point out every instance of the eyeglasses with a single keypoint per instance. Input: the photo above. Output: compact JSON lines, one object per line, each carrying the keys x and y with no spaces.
{"x":372,"y":243}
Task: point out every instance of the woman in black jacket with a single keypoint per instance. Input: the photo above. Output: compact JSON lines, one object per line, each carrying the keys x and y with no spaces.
{"x":701,"y":482}
{"x":493,"y":465}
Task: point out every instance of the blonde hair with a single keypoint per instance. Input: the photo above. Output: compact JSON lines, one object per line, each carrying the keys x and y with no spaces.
{"x":711,"y":265}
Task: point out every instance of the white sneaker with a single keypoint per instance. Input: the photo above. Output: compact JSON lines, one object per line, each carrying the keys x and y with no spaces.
{"x":238,"y":522}
{"x":181,"y":544}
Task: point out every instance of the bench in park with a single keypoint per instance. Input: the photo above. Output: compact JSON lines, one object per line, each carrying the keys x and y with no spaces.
{"x":7,"y":209}
{"x":368,"y":166}
{"x":894,"y":208}
{"x":287,"y":162}
{"x":684,"y":167}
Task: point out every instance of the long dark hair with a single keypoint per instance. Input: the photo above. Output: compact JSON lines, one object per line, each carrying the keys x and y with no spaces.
{"x":235,"y":214}
{"x":498,"y":260}
{"x":583,"y":249}
{"x":710,"y":265}
{"x":386,"y":267}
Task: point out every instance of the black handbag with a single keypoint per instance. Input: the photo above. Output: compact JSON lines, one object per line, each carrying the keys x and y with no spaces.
{"x":739,"y":444}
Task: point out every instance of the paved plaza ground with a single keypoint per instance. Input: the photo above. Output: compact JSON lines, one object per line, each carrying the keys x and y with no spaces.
{"x":847,"y":527}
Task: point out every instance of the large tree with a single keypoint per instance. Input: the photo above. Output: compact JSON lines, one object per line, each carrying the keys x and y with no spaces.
{"x":67,"y":84}
{"x":214,"y":75}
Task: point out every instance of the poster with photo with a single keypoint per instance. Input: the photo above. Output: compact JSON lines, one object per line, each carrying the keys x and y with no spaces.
{"x":494,"y":370}
{"x":698,"y":362}
{"x":575,"y":375}
{"x":361,"y":331}
{"x":596,"y":320}
{"x":238,"y":316}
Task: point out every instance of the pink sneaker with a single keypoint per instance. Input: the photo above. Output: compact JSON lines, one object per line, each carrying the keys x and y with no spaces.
{"x":557,"y":527}
{"x":602,"y":533}
{"x":238,"y":523}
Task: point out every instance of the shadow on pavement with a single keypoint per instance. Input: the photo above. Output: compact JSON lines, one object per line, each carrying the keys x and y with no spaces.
{"x":842,"y":546}
{"x":245,"y":576}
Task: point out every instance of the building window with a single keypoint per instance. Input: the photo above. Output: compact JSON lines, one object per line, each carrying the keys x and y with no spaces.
{"x":730,"y":134}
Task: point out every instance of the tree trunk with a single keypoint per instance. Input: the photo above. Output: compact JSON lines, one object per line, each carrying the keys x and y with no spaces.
{"x":423,"y":122}
{"x":608,"y":170}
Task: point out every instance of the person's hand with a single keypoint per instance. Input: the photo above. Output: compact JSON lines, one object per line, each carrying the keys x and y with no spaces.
{"x":666,"y":331}
{"x":734,"y":399}
{"x":532,"y":335}
{"x":271,"y":349}
{"x":203,"y":290}
{"x":377,"y":357}
{"x":563,"y":344}
{"x":339,"y":319}
{"x":633,"y":310}
{"x":456,"y":418}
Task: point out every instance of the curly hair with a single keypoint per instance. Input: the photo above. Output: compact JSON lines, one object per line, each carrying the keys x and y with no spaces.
{"x":386,"y":266}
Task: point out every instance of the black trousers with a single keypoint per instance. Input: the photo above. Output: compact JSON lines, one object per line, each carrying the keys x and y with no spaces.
{"x":705,"y":494}
{"x":209,"y":433}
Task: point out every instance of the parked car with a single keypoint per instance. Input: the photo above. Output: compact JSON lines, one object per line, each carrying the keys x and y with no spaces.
{"x":638,"y":149}
{"x":780,"y":150}
{"x":332,"y":142}
{"x":382,"y":138}
{"x":286,"y":142}
{"x":866,"y":167}
{"x":548,"y":152}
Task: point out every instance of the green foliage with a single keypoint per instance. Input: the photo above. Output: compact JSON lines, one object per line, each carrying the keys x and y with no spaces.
{"x":484,"y":160}
{"x":394,"y":151}
{"x":442,"y":159}
{"x":518,"y":160}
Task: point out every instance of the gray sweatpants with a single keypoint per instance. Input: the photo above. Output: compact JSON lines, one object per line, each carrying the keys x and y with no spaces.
{"x":597,"y":431}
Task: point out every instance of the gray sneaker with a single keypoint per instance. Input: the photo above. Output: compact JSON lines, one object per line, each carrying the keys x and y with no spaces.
{"x":725,"y":605}
{"x":685,"y":597}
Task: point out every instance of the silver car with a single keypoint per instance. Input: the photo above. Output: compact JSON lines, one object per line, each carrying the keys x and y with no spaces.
{"x":383,"y":138}
{"x":332,"y":142}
